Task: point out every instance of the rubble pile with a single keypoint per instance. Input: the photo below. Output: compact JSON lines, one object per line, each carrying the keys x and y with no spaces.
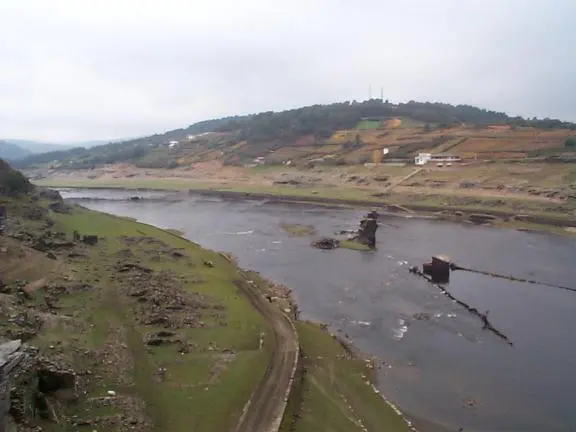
{"x":160,"y":299}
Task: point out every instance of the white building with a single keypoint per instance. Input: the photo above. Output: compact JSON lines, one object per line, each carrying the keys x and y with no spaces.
{"x":172,"y":144}
{"x":424,"y":158}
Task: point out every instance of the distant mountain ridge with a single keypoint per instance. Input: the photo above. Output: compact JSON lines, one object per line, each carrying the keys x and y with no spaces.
{"x":12,"y":152}
{"x":44,"y":147}
{"x":37,"y":146}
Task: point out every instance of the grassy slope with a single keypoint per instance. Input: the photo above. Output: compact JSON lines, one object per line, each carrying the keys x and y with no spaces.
{"x":193,"y":396}
{"x":332,"y":391}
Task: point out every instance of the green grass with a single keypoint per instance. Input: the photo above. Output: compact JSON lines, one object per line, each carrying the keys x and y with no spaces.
{"x":128,"y":183}
{"x":183,"y":184}
{"x":354,"y":245}
{"x":479,"y":204}
{"x":188,"y":399}
{"x":368,"y":124}
{"x":176,"y":232}
{"x":298,"y":230}
{"x":331,"y":391}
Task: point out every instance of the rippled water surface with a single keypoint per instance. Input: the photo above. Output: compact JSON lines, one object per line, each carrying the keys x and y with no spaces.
{"x":444,"y":367}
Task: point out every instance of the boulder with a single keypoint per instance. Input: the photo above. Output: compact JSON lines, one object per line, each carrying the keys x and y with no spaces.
{"x":10,"y":359}
{"x":50,"y":194}
{"x":46,"y":243}
{"x":59,"y":207}
{"x":90,"y":239}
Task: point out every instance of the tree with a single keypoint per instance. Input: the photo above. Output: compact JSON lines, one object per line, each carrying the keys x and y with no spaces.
{"x":570,"y":142}
{"x":13,"y":182}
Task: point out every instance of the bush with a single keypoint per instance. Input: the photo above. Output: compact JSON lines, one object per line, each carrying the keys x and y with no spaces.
{"x":13,"y":182}
{"x":570,"y":142}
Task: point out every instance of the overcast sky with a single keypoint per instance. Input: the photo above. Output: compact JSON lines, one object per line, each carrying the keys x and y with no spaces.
{"x":82,"y":69}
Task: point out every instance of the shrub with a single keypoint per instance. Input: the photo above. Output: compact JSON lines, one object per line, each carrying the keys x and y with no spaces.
{"x":13,"y":182}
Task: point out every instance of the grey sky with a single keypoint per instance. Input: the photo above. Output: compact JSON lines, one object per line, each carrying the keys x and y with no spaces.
{"x":97,"y":69}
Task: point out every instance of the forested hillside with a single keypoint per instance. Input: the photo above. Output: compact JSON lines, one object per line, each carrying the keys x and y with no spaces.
{"x":270,"y":131}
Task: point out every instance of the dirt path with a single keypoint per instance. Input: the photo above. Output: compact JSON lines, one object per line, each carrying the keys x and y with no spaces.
{"x":403,"y":179}
{"x":264,"y":410}
{"x":36,"y":285}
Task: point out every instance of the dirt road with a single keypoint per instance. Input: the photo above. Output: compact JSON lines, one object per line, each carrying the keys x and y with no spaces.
{"x":264,"y":410}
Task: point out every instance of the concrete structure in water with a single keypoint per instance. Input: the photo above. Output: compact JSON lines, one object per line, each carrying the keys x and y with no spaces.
{"x":438,"y":269}
{"x":367,"y":231}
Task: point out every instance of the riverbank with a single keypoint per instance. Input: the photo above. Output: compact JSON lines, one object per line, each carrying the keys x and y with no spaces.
{"x":152,"y":323}
{"x":427,"y":342}
{"x":529,"y":216}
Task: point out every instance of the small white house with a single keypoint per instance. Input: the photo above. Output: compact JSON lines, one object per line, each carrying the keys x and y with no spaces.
{"x":424,"y":158}
{"x":172,"y":144}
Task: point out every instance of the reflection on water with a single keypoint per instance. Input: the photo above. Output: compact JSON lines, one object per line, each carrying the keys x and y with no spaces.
{"x":438,"y":364}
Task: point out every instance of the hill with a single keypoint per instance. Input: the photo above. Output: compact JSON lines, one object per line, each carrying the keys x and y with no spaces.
{"x":346,"y":132}
{"x":44,"y":147}
{"x":37,"y":146}
{"x":12,"y":152}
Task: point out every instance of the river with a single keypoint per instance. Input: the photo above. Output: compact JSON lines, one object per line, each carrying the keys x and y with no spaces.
{"x":437,"y":362}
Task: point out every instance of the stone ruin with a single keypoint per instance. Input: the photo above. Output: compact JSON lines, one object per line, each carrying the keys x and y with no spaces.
{"x":28,"y":385}
{"x":366,"y":234}
{"x":11,"y":359}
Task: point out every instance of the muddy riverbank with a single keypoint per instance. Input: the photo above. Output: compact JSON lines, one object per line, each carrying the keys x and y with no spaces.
{"x":481,"y":216}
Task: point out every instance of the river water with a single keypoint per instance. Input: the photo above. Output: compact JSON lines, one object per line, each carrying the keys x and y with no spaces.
{"x":438,"y":363}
